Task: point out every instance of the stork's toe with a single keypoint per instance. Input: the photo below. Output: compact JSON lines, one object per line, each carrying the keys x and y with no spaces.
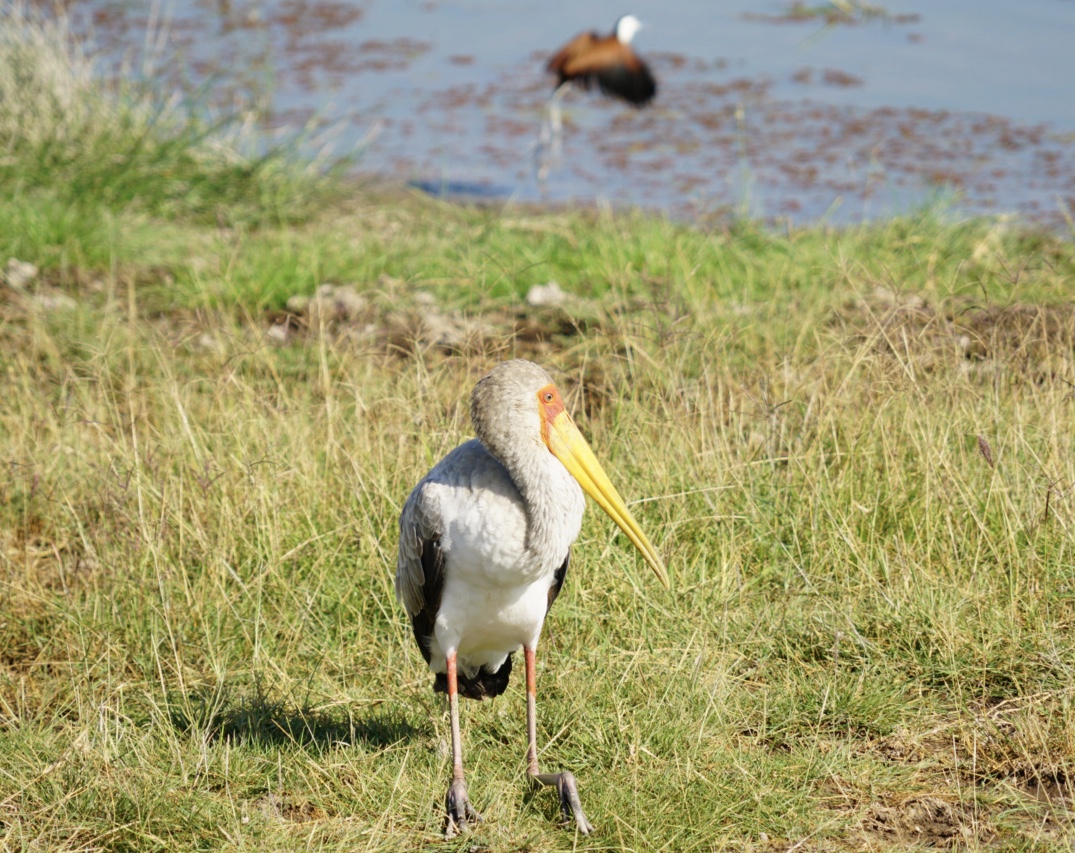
{"x":460,"y":813}
{"x":570,"y":804}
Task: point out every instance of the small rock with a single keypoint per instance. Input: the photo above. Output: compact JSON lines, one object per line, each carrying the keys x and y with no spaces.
{"x":17,"y":274}
{"x":361,"y":335}
{"x":321,"y":309}
{"x":297,"y":303}
{"x":277,"y":333}
{"x":887,"y":296}
{"x":330,"y":303}
{"x":53,"y":301}
{"x":442,"y":330}
{"x":207,"y":342}
{"x":545,"y":295}
{"x":883,"y":294}
{"x":349,"y":303}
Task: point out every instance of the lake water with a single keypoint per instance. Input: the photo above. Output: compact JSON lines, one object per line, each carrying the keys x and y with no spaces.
{"x":970,"y":101}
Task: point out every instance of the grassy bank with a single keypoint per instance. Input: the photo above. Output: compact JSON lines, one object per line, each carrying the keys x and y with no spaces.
{"x":854,"y":449}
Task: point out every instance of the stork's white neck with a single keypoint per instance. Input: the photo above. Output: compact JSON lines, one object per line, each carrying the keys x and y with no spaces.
{"x":554,"y":501}
{"x":508,"y":418}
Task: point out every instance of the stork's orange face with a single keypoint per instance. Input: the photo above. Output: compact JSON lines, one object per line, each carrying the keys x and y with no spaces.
{"x":566,"y":443}
{"x":552,"y":406}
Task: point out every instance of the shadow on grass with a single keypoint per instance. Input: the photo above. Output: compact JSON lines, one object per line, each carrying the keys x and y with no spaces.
{"x":260,"y":720}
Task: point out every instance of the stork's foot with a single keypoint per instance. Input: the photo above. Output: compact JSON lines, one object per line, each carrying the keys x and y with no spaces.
{"x":570,"y":804}
{"x":460,"y":813}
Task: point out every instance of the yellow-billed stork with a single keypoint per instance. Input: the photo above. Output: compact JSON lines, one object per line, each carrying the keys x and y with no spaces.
{"x":484,"y":546}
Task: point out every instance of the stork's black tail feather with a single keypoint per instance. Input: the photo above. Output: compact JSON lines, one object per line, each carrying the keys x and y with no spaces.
{"x":482,"y":685}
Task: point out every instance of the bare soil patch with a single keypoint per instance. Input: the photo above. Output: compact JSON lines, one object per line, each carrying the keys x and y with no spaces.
{"x":926,"y":821}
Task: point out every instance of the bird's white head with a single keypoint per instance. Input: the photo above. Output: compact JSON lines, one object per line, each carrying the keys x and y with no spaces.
{"x":626,"y":27}
{"x":516,"y":408}
{"x":504,"y":411}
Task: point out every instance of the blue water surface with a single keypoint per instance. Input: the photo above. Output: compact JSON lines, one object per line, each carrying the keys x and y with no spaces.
{"x":968,"y":100}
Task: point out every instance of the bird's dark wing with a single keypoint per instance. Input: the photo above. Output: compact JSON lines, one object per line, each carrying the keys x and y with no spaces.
{"x":613,"y":66}
{"x":631,"y":81}
{"x":558,"y":582}
{"x":420,"y":566}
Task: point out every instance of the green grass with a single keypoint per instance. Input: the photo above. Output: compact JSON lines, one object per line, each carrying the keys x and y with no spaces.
{"x":870,"y":623}
{"x":76,"y":146}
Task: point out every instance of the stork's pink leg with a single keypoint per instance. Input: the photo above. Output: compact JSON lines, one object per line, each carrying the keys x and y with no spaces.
{"x":456,"y":803}
{"x":566,"y":786}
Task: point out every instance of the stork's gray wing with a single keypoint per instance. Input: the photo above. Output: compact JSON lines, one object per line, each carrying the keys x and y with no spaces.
{"x":419,"y":565}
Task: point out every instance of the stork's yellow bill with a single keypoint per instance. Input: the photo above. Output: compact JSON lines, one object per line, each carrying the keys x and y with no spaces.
{"x":567,"y":444}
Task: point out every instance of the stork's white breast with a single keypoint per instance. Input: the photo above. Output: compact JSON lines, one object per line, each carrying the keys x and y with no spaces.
{"x":497,"y":576}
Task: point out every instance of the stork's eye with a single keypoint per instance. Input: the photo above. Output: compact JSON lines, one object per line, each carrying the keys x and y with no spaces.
{"x":549,"y":397}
